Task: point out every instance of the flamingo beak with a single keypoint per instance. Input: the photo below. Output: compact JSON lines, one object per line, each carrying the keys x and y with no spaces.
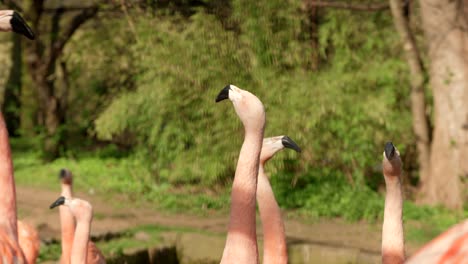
{"x":389,"y":150}
{"x":62,"y":174}
{"x":60,"y":201}
{"x":20,"y":26}
{"x":289,"y":143}
{"x":224,"y":94}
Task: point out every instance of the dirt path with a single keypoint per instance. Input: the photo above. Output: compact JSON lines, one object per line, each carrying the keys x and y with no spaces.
{"x":115,"y":216}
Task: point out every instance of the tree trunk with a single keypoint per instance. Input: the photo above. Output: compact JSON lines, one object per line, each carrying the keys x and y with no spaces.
{"x":12,"y":101}
{"x":313,"y":27}
{"x":43,"y":55}
{"x":447,"y":37}
{"x":50,"y":113}
{"x":418,"y":104}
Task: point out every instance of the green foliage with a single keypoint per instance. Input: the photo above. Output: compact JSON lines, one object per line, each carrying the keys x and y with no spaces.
{"x":324,"y":193}
{"x":342,"y":123}
{"x":49,"y":252}
{"x":272,"y":30}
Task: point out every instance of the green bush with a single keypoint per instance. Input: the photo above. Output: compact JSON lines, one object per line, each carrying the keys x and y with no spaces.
{"x":341,"y":116}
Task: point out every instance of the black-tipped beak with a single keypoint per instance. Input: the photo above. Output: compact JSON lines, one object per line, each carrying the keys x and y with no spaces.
{"x":20,"y":26}
{"x":224,"y":94}
{"x":62,"y":173}
{"x":289,"y":143}
{"x":389,"y":150}
{"x":60,"y":201}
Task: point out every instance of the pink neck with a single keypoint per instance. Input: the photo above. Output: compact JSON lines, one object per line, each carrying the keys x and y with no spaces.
{"x":67,"y":225}
{"x":274,"y":238}
{"x":393,"y":245}
{"x":7,"y":185}
{"x":241,"y":242}
{"x":80,"y":242}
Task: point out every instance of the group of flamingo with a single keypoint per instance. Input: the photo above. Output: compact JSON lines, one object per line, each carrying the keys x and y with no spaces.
{"x":250,"y":182}
{"x":19,"y":242}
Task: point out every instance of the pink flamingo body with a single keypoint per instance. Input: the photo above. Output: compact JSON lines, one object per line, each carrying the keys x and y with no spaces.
{"x":241,"y":241}
{"x":450,"y":247}
{"x":29,"y":242}
{"x":275,"y":247}
{"x":10,"y":251}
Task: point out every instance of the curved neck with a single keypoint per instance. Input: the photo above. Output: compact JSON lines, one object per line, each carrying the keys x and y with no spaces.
{"x":274,"y":237}
{"x":241,"y":242}
{"x":393,"y":245}
{"x":7,"y":185}
{"x":80,"y":242}
{"x":67,"y":225}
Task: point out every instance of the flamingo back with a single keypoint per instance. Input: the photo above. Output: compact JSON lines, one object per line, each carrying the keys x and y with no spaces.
{"x":28,"y":240}
{"x":10,"y":252}
{"x":450,"y":247}
{"x":94,"y":254}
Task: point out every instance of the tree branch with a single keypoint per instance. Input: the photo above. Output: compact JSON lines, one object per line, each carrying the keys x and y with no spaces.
{"x":13,"y":4}
{"x":369,"y":7}
{"x":59,"y":44}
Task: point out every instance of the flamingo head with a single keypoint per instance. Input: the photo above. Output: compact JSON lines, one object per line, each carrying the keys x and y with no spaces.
{"x":272,"y":145}
{"x":65,"y":176}
{"x":248,"y":107}
{"x":81,"y":209}
{"x":12,"y":21}
{"x":391,"y":163}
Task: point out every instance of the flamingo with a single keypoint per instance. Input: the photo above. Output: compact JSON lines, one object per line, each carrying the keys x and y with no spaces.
{"x":83,"y":213}
{"x":450,"y":247}
{"x":12,"y":21}
{"x":274,"y":248}
{"x":10,"y":250}
{"x":29,"y":242}
{"x":393,"y":244}
{"x":241,"y":241}
{"x":67,"y":223}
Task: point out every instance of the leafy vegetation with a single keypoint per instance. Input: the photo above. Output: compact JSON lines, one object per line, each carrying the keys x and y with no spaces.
{"x":340,"y":115}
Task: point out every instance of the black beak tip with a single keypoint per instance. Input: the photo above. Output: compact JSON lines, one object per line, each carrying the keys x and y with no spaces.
{"x":20,"y":26}
{"x":224,"y":94}
{"x":389,"y":150}
{"x":62,"y":173}
{"x":58,"y":202}
{"x":289,"y":143}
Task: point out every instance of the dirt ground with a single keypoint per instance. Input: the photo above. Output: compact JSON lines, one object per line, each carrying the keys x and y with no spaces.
{"x":113,"y":216}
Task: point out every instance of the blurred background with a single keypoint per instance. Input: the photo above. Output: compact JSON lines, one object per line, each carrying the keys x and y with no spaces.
{"x":122,"y":94}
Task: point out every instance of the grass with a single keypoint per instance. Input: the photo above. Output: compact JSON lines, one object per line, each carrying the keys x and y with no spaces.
{"x":111,"y":176}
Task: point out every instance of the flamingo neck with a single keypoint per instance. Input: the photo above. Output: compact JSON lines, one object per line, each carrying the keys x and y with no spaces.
{"x":393,"y":245}
{"x":274,"y":239}
{"x":80,"y":242}
{"x":241,"y":242}
{"x":67,"y":225}
{"x":8,"y":215}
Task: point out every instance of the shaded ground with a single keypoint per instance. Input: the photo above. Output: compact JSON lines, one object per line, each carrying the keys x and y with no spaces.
{"x":114,"y":216}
